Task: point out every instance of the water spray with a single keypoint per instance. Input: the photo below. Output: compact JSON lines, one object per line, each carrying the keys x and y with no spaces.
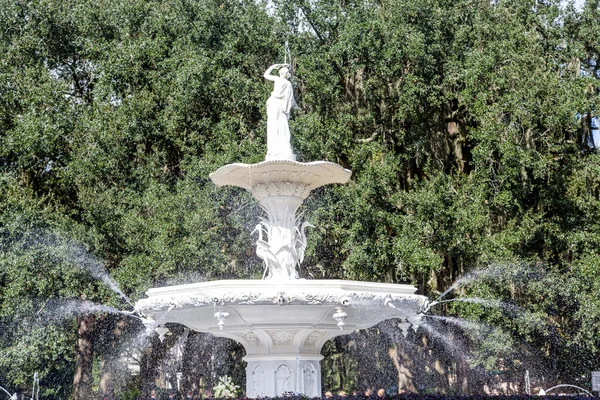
{"x":150,"y":323}
{"x":11,"y":396}
{"x":477,"y":300}
{"x":35,"y":390}
{"x":545,"y":392}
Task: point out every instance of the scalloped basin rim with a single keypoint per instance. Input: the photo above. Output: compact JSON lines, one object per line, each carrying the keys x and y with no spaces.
{"x":303,"y":305}
{"x":305,"y":285}
{"x":239,"y":174}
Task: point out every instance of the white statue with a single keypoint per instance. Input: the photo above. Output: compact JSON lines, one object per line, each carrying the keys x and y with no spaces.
{"x":284,"y":248}
{"x":279,"y":106}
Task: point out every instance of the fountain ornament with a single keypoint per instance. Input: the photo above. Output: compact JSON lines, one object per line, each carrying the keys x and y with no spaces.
{"x":282,"y":320}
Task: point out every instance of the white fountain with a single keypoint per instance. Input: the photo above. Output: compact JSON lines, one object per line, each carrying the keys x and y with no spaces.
{"x":282,"y":320}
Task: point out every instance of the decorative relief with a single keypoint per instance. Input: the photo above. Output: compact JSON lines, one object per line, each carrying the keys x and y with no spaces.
{"x":316,"y":298}
{"x":164,"y":303}
{"x":352,"y":299}
{"x":283,"y":380}
{"x":272,"y":189}
{"x":250,"y":338}
{"x":313,"y":174}
{"x":242,"y":298}
{"x":314,"y":336}
{"x":254,"y":298}
{"x":282,"y":337}
{"x":308,"y":379}
{"x":198,"y":300}
{"x":158,"y":304}
{"x":383,"y":298}
{"x":281,"y":241}
{"x":258,"y":379}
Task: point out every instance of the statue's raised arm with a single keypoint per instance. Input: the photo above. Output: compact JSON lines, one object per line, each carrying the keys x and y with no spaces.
{"x":279,"y":106}
{"x":267,"y":73}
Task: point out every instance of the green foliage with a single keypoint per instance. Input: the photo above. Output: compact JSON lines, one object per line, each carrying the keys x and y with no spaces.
{"x":467,"y":126}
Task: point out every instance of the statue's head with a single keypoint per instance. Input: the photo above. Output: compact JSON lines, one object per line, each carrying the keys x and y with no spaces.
{"x":284,"y":73}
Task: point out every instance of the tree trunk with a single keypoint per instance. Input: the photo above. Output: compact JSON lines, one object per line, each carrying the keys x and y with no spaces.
{"x":148,"y":369}
{"x":404,"y":366}
{"x":109,"y":364}
{"x":83,"y":379}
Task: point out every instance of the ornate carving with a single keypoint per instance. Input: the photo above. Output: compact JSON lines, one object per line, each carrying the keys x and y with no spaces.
{"x":280,"y":185}
{"x":286,"y":243}
{"x":221,"y":316}
{"x":159,"y":304}
{"x":281,"y":337}
{"x":392,"y":300}
{"x":198,"y":300}
{"x":258,"y":379}
{"x":250,"y":338}
{"x":316,"y":298}
{"x":271,"y":189}
{"x":283,"y":377}
{"x":314,"y":336}
{"x":308,"y":379}
{"x":340,"y":315}
{"x":248,"y":176}
{"x":241,"y":298}
{"x":353,"y":299}
{"x":250,"y":298}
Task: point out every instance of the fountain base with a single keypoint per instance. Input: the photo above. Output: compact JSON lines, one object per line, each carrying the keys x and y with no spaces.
{"x":281,"y":324}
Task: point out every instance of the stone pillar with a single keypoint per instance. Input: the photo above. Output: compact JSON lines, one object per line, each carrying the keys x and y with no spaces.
{"x":272,"y":375}
{"x":285,"y":359}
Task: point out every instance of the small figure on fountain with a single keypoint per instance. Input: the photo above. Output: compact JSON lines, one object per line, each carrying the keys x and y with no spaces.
{"x":279,"y":106}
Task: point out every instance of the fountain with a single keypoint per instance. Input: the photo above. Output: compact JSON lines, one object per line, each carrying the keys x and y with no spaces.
{"x":282,"y":320}
{"x":11,"y":396}
{"x":35,"y":390}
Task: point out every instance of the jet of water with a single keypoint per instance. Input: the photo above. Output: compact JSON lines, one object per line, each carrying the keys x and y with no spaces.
{"x":12,"y":396}
{"x":55,"y":311}
{"x":78,"y":255}
{"x":57,"y":245}
{"x":491,"y":270}
{"x":485,"y":302}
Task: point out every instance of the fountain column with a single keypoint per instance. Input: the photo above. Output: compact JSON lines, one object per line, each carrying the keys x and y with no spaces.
{"x":283,"y":357}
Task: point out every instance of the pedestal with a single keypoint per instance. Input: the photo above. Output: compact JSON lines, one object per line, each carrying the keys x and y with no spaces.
{"x":271,"y":376}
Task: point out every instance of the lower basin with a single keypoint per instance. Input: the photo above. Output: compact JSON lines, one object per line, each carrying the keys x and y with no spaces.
{"x":282,"y":324}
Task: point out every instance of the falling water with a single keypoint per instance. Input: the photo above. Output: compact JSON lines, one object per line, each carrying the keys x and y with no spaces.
{"x":443,"y":338}
{"x":459,"y":282}
{"x":460,"y":322}
{"x":7,"y":392}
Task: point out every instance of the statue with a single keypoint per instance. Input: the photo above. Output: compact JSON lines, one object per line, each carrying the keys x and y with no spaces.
{"x":279,"y":106}
{"x":284,"y":249}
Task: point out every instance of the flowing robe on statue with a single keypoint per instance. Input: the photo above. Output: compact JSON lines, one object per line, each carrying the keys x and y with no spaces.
{"x":279,"y":106}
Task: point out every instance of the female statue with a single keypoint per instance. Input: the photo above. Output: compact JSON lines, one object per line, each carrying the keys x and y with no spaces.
{"x":279,"y":106}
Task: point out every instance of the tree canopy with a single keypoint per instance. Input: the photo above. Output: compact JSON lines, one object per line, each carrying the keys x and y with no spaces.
{"x":468,"y":125}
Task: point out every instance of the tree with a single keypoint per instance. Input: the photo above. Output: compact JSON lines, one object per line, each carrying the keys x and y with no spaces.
{"x":466,"y":125}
